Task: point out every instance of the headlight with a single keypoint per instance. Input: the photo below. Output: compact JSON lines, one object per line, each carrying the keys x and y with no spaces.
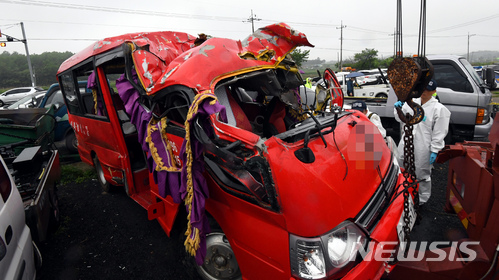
{"x":343,"y":243}
{"x":310,"y":259}
{"x":316,"y":258}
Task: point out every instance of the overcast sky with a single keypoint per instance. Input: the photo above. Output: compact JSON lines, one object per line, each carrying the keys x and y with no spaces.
{"x":70,"y":25}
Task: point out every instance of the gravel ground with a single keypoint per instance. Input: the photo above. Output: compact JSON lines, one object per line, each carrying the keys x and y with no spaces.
{"x":108,"y":236}
{"x":436,"y":224}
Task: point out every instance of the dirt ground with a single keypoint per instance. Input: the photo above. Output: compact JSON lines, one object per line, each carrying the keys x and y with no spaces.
{"x":108,"y":236}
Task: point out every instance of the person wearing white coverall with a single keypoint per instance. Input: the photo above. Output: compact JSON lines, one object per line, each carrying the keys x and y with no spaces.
{"x":428,"y":138}
{"x":373,"y":117}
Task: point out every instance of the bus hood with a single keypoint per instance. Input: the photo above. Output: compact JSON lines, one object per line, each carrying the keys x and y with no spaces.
{"x":315,"y":197}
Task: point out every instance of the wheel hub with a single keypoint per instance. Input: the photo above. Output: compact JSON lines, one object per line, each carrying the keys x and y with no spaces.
{"x":219,"y":262}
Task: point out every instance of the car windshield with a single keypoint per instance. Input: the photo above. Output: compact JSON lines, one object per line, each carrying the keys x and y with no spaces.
{"x":472,"y":71}
{"x":56,"y":97}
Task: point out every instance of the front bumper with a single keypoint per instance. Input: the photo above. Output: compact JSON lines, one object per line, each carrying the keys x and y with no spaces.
{"x":482,"y":131}
{"x":385,"y":231}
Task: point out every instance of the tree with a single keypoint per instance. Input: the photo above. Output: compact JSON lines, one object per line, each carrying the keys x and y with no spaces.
{"x":367,"y":59}
{"x":300,"y":56}
{"x":15,"y":71}
{"x":385,"y":62}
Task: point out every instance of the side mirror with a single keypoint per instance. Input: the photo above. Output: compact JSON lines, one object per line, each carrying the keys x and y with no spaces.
{"x":334,"y":90}
{"x":490,"y":77}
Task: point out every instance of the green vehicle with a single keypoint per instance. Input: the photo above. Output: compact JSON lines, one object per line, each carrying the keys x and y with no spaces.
{"x":22,"y":128}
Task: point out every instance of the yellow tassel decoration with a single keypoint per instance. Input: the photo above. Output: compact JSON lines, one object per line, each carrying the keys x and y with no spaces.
{"x":192,"y":241}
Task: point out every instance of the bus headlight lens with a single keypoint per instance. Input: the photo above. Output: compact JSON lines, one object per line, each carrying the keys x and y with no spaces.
{"x":343,"y":243}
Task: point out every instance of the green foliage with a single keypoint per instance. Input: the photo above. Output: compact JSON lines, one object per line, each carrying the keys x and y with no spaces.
{"x":15,"y":71}
{"x":367,"y":59}
{"x":385,"y":62}
{"x":300,"y":56}
{"x":72,"y":174}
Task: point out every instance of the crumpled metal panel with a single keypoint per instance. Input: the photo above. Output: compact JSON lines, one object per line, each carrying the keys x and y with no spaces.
{"x":161,"y":43}
{"x":217,"y":58}
{"x":166,"y":58}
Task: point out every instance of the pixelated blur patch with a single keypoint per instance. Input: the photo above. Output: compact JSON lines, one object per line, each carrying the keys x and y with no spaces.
{"x":365,"y":146}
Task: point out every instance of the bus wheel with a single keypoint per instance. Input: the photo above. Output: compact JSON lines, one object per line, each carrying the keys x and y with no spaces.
{"x":100,"y":175}
{"x":220,"y":262}
{"x":71,"y":142}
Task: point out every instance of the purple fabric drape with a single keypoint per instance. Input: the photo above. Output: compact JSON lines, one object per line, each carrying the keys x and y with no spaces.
{"x":175,"y":183}
{"x":168,"y":182}
{"x":208,"y":105}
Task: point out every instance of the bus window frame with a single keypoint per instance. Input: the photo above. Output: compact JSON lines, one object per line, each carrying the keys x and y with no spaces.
{"x":73,"y":71}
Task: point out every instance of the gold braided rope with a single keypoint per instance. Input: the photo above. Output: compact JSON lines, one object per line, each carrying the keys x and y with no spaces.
{"x":297,"y":114}
{"x":94,"y":95}
{"x":192,"y":242}
{"x":152,"y":127}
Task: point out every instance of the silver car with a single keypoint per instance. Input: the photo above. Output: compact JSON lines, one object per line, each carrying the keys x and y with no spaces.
{"x":12,"y":95}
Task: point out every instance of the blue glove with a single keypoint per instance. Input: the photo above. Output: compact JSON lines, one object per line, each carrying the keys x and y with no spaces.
{"x":398,"y":104}
{"x":433,"y":157}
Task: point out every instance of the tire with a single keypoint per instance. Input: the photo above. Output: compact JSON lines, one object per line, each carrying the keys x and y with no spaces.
{"x":100,"y":175}
{"x":449,"y":138}
{"x":55,"y":215}
{"x":38,"y":257}
{"x":217,"y":249}
{"x":71,"y":142}
{"x":220,"y":262}
{"x":381,"y":95}
{"x":1,"y":103}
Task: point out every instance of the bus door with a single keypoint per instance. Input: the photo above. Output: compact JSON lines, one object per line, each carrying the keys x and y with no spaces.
{"x":94,"y":120}
{"x":136,"y":180}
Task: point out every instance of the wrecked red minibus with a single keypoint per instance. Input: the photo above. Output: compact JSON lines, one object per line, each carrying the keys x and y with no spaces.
{"x":272,"y":187}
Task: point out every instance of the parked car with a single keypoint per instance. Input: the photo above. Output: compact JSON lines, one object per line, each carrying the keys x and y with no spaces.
{"x":17,"y":259}
{"x":13,"y":95}
{"x":29,"y":101}
{"x":63,"y":130}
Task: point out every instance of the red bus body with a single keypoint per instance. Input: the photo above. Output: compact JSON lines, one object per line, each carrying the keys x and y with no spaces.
{"x":311,"y":198}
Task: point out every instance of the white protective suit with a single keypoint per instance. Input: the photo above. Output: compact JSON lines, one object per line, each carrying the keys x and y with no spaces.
{"x":376,"y":120}
{"x":429,"y":137}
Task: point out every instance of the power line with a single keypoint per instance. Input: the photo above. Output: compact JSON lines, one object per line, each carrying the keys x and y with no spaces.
{"x":252,"y":19}
{"x":144,"y":12}
{"x":117,"y":10}
{"x":464,"y":24}
{"x":107,"y":25}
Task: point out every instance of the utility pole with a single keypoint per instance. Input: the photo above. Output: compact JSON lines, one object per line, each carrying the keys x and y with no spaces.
{"x":394,"y":42}
{"x":27,"y":55}
{"x":468,"y":56}
{"x":13,"y":39}
{"x":252,"y":19}
{"x":341,"y":44}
